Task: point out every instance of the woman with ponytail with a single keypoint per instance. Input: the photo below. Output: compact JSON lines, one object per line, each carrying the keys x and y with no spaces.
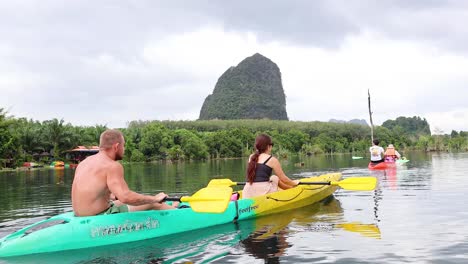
{"x":261,"y":166}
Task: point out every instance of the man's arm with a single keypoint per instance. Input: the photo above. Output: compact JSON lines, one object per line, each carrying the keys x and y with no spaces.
{"x":117,"y":185}
{"x":398,"y":154}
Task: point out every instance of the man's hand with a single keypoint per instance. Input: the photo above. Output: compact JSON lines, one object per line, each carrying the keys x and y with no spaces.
{"x":160,"y":197}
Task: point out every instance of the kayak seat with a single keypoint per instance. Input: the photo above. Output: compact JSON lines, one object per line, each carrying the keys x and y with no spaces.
{"x":235,"y":196}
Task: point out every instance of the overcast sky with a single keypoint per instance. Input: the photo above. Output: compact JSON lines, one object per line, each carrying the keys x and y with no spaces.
{"x":111,"y":62}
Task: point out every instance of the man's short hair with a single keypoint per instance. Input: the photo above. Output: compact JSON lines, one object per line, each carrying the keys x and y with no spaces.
{"x":109,"y":138}
{"x":376,"y":142}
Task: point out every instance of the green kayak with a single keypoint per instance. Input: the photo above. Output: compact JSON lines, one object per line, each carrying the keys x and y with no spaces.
{"x":402,"y":161}
{"x":67,"y":232}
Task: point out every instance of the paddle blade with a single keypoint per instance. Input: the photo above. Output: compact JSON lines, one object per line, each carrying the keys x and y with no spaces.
{"x":357,"y":183}
{"x":221,"y":182}
{"x":210,"y":199}
{"x":368,"y":230}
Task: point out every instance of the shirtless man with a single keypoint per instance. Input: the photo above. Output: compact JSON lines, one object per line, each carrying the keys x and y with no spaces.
{"x":100,"y":175}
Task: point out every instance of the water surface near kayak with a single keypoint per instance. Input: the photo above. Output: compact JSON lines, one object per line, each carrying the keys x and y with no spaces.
{"x":418,"y":214}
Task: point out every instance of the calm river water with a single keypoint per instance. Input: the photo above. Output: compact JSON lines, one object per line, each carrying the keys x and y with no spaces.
{"x":418,"y":214}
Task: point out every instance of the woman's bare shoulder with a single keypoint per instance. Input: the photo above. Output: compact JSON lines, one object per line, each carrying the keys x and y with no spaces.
{"x":274,"y":160}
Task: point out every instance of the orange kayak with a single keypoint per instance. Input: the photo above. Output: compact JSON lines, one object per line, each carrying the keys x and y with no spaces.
{"x":381,"y":165}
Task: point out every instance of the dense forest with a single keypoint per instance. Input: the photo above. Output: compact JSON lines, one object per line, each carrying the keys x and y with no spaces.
{"x":251,"y":90}
{"x":28,"y":140}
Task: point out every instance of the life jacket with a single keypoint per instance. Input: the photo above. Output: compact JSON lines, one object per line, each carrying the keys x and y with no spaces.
{"x":390,"y":155}
{"x":390,"y":152}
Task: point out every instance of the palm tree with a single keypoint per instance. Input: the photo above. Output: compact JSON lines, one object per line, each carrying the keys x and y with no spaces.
{"x":58,"y":135}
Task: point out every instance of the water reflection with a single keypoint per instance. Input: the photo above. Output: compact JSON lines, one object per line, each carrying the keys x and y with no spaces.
{"x":269,"y":241}
{"x":59,"y":176}
{"x":271,"y":238}
{"x":377,"y":197}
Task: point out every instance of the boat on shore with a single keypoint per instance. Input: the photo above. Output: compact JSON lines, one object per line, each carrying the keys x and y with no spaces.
{"x":32,"y":165}
{"x":68,"y":232}
{"x":58,"y":164}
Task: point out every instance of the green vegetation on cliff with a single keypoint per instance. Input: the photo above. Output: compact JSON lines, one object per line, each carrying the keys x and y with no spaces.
{"x":252,"y":90}
{"x":415,"y":125}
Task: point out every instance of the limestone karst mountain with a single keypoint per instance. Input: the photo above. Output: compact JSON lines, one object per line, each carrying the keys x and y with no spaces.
{"x":251,"y":90}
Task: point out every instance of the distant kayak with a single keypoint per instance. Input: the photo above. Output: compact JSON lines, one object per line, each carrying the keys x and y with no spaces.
{"x":402,"y":161}
{"x":381,"y":165}
{"x":356,"y":157}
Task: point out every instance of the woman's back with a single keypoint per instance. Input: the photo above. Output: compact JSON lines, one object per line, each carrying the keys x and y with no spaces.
{"x":263,"y":171}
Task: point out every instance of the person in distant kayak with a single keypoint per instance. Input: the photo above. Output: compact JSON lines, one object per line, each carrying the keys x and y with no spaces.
{"x":100,"y":176}
{"x":261,"y":166}
{"x":391,"y":155}
{"x":376,"y":152}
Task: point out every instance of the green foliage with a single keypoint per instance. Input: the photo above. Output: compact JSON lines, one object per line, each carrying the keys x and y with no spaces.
{"x":175,"y":153}
{"x":190,"y":145}
{"x":156,"y":139}
{"x":416,"y":125}
{"x":281,"y":152}
{"x":223,"y":144}
{"x":137,"y":156}
{"x":252,"y":90}
{"x":8,"y":139}
{"x":58,"y":136}
{"x":23,"y":140}
{"x":309,"y":149}
{"x":292,"y":140}
{"x":423,"y":143}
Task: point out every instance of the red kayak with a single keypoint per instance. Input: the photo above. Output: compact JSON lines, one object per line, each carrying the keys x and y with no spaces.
{"x":381,"y":165}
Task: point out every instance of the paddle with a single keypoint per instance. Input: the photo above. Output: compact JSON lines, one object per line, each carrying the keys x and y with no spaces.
{"x":353,"y":183}
{"x":368,"y":230}
{"x":207,"y":200}
{"x":402,"y":161}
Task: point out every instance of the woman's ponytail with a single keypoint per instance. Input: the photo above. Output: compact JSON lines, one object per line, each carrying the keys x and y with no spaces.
{"x":261,"y":145}
{"x":252,"y":167}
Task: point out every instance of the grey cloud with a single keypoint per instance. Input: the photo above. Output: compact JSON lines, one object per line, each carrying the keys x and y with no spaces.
{"x":315,"y":23}
{"x":53,"y":40}
{"x":120,"y":28}
{"x":326,"y":23}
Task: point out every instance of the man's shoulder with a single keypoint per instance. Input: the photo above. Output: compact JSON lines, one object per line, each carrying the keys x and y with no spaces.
{"x":98,"y":162}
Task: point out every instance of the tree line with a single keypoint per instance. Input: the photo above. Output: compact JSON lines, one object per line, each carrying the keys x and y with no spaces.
{"x":24,"y":139}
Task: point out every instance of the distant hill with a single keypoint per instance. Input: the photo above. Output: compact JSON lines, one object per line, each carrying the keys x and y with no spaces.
{"x":352,"y":121}
{"x":251,"y":90}
{"x":410,"y":125}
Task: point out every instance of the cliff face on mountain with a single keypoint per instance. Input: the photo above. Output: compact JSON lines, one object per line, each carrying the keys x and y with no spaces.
{"x":251,"y":90}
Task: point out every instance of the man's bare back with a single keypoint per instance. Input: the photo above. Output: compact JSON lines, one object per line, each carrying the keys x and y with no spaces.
{"x":98,"y":176}
{"x":90,"y":194}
